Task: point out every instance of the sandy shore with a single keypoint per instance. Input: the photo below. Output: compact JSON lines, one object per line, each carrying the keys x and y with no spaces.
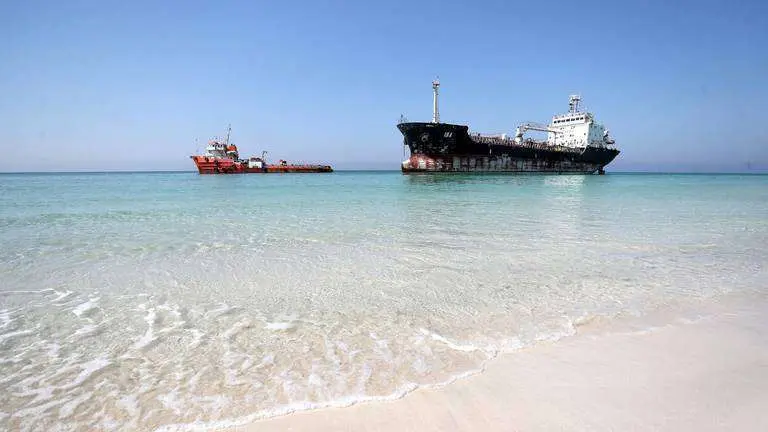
{"x":702,"y":373}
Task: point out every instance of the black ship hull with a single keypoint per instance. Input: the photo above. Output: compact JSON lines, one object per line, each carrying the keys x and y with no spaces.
{"x":445,"y":147}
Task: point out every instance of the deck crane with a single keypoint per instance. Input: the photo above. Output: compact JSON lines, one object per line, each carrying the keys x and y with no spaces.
{"x":520,"y":130}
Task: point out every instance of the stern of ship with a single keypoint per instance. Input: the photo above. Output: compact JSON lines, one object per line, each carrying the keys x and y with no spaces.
{"x":600,"y":156}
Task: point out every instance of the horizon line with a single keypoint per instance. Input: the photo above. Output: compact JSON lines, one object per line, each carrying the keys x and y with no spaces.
{"x":179,"y":171}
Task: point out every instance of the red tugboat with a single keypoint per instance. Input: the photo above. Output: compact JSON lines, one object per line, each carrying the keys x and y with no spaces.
{"x":223,"y":158}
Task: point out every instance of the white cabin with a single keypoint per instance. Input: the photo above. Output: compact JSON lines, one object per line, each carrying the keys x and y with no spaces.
{"x":222,"y":149}
{"x":216,"y":149}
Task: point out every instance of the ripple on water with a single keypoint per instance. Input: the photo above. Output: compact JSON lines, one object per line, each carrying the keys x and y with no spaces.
{"x":176,"y":316}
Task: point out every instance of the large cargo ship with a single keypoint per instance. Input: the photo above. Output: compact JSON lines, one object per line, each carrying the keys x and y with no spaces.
{"x":575,"y":143}
{"x":222,"y":157}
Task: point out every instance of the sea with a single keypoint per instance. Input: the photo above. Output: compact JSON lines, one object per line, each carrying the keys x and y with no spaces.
{"x":178,"y":301}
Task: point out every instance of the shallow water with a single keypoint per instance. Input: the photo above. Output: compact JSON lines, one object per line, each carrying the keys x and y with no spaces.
{"x":138,"y":301}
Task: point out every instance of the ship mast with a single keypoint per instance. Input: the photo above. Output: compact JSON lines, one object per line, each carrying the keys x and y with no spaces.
{"x":229,"y":129}
{"x":573,"y":103}
{"x":435,"y":109}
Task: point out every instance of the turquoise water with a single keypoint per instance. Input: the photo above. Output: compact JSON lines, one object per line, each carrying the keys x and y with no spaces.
{"x":173,"y":300}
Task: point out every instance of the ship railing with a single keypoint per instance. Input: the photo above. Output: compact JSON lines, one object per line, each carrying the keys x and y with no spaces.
{"x":528,"y":143}
{"x":302,"y":164}
{"x":493,"y":139}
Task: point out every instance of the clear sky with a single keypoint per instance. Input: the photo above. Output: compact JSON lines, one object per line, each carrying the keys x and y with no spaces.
{"x":102,"y":85}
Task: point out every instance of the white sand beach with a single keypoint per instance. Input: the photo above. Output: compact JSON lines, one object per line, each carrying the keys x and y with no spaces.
{"x":705,"y":372}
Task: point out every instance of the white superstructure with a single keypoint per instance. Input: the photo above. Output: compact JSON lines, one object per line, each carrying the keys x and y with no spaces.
{"x":575,"y":129}
{"x":222,"y":149}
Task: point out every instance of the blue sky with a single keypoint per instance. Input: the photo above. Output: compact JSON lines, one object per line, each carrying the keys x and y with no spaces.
{"x":101,"y":85}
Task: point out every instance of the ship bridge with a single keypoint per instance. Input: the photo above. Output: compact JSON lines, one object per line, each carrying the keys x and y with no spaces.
{"x":577,"y":129}
{"x":222,"y":149}
{"x":574,"y":129}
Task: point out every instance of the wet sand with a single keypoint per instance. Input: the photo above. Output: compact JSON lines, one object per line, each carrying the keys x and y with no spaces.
{"x":707,"y":371}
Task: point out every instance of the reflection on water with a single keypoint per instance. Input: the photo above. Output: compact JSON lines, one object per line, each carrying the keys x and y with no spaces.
{"x":519,"y":179}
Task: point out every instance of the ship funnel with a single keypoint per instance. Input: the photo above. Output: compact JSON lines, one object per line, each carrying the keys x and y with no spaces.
{"x":435,"y":108}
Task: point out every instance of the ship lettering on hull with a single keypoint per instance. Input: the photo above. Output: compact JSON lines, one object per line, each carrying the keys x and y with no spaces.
{"x":576,"y":143}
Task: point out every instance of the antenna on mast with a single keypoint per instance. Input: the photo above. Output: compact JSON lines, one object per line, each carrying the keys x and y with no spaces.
{"x":573,"y":103}
{"x":435,"y":108}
